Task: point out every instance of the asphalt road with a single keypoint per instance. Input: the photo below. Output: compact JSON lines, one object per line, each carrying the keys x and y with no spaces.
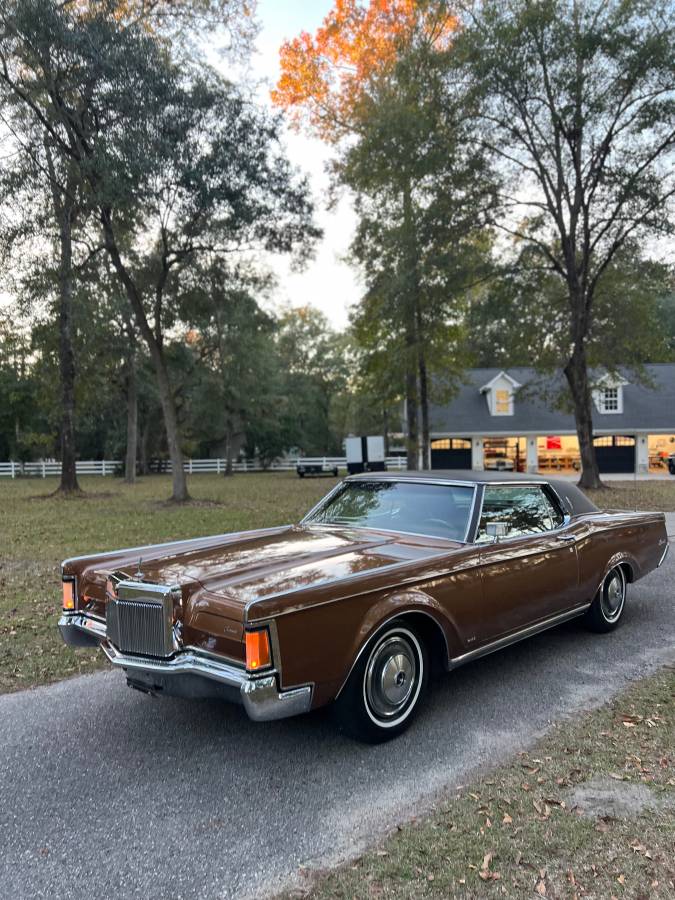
{"x":106,"y":792}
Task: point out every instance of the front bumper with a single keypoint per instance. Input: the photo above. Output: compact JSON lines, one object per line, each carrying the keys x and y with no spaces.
{"x":663,"y":558}
{"x":259,"y":694}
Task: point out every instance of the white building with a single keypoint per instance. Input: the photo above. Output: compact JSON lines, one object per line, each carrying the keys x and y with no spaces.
{"x":510,"y":419}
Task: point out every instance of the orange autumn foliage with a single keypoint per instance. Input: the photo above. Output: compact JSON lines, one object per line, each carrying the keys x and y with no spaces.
{"x":325,"y":78}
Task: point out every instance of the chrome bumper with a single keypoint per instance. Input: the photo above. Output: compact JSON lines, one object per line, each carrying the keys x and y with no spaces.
{"x":259,"y":694}
{"x":663,"y":558}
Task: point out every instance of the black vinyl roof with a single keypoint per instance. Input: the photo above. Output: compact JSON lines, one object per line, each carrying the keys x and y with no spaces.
{"x":577,"y":502}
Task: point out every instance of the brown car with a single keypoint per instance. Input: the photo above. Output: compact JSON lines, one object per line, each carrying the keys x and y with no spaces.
{"x":389,"y":576}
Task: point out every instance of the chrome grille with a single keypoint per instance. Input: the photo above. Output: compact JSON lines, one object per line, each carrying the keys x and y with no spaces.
{"x":138,"y":623}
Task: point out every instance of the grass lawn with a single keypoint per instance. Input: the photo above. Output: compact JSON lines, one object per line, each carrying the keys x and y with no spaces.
{"x":37,"y":531}
{"x":589,"y":812}
{"x":658,"y":495}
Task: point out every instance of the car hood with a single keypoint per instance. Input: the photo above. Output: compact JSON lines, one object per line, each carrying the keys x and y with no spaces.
{"x":258,"y":564}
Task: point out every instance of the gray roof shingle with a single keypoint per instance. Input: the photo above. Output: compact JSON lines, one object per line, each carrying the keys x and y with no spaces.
{"x":645,"y":408}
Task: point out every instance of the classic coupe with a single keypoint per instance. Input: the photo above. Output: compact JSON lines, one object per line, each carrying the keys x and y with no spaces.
{"x":390,"y":576}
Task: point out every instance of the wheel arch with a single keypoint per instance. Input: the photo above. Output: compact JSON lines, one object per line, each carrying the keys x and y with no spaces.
{"x":420,"y":613}
{"x":628,"y":570}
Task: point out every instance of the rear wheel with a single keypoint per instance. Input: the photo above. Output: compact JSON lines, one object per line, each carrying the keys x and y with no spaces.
{"x":607,"y":608}
{"x":386,"y":686}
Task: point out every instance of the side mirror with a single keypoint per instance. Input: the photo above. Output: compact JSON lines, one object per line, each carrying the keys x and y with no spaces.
{"x":496,"y":530}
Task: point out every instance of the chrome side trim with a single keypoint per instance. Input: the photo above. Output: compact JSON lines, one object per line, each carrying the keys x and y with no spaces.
{"x":517,"y":636}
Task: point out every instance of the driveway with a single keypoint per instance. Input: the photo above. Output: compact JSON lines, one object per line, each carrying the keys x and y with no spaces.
{"x":107,"y":792}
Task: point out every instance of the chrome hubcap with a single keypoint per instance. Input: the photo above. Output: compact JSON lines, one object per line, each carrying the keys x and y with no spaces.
{"x":613,"y":596}
{"x":391,"y":676}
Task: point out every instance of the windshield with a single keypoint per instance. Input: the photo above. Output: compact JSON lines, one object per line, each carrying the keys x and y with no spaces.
{"x":439,"y":510}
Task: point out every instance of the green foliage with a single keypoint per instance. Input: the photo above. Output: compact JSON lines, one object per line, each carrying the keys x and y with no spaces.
{"x":421,"y":190}
{"x":521,"y":317}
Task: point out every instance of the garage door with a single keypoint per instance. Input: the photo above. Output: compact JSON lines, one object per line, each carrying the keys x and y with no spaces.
{"x":615,"y":453}
{"x":450,"y":459}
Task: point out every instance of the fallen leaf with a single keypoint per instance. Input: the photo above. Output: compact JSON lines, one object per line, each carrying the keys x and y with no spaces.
{"x":507,"y":820}
{"x":541,"y":889}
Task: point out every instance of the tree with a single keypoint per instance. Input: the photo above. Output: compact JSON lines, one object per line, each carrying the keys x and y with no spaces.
{"x":371,"y":83}
{"x":314,"y":372}
{"x":508,"y":317}
{"x":177,"y":164}
{"x":47,"y":190}
{"x":577,"y":108}
{"x":421,"y":193}
{"x":51,"y":75}
{"x":218,"y":185}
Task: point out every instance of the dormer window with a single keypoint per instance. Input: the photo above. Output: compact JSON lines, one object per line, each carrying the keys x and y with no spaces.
{"x":502,"y":403}
{"x":608,"y":396}
{"x":609,"y":400}
{"x":499,"y":394}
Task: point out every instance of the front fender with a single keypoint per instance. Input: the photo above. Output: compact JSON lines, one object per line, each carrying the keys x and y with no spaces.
{"x":396,"y":605}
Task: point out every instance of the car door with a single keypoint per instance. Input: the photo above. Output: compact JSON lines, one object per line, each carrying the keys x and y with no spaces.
{"x":531,"y":573}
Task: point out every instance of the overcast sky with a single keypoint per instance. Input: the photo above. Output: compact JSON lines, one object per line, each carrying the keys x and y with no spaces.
{"x":327,"y":282}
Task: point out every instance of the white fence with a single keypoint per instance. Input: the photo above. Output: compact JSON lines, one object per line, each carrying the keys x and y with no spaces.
{"x":192,"y":466}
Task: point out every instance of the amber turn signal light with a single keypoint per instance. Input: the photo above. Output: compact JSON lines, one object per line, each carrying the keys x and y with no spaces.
{"x":257,"y":650}
{"x":69,"y":594}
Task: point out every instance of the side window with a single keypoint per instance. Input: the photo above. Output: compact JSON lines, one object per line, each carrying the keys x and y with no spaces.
{"x":524,"y":510}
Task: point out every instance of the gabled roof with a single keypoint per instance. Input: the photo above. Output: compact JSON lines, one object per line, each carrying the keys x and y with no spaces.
{"x":502,"y":374}
{"x":644,"y":408}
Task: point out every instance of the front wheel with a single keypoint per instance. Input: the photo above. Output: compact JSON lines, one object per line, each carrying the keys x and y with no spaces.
{"x":386,"y":686}
{"x":607,"y":608}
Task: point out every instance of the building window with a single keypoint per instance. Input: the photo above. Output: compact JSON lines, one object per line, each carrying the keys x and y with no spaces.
{"x":609,"y":400}
{"x":502,"y":402}
{"x":608,"y":397}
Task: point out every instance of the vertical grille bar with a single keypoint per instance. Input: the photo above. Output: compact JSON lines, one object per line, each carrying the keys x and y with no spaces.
{"x":139,"y":619}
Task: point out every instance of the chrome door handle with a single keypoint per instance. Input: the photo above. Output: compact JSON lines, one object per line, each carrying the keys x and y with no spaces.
{"x":567,"y":537}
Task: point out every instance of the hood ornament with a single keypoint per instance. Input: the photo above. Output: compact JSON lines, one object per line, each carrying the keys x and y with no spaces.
{"x":139,"y":574}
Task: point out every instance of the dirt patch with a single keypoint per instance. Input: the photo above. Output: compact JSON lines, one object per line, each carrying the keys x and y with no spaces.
{"x":186,"y":504}
{"x":78,"y":495}
{"x":605,"y":797}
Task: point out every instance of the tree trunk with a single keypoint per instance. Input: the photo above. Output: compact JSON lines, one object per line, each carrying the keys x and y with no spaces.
{"x":228,"y":451}
{"x":411,"y":404}
{"x":385,"y":431}
{"x":424,"y":386}
{"x":64,"y":208}
{"x":143,"y":456}
{"x":132,"y":422}
{"x":410,"y":300}
{"x":132,"y":402}
{"x":576,"y":372}
{"x":166,"y":398}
